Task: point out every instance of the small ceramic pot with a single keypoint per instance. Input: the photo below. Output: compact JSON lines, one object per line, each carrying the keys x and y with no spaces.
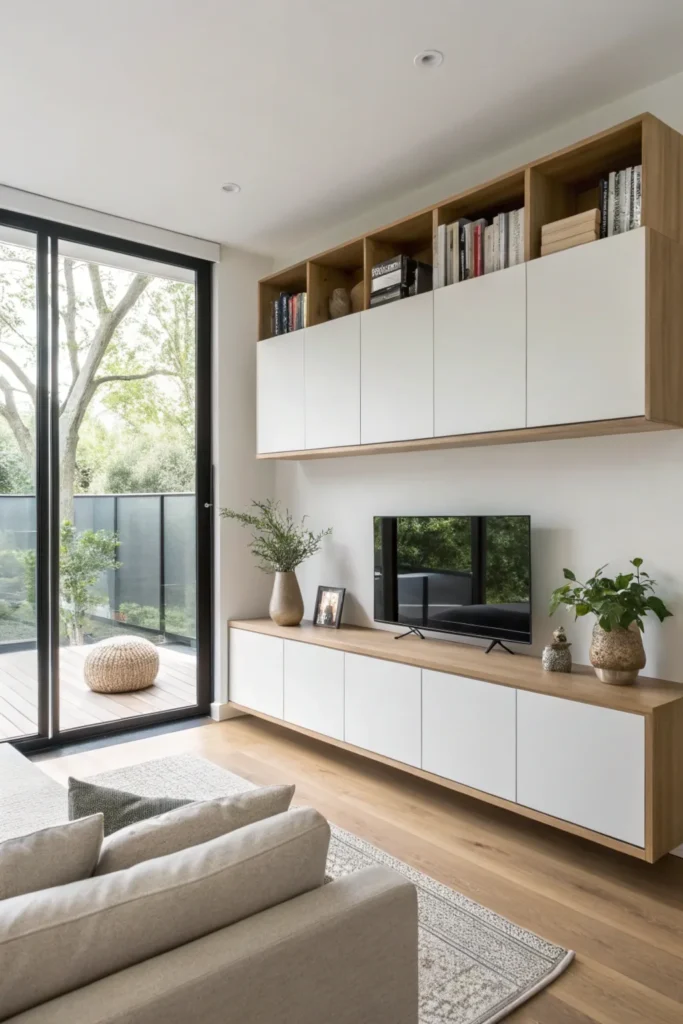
{"x":618,"y":655}
{"x":557,"y":658}
{"x":286,"y":603}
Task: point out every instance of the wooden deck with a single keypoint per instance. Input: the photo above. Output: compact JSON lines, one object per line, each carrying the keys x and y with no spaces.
{"x":175,"y":687}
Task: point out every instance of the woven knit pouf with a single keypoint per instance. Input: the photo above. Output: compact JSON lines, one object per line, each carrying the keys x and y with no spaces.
{"x":121,"y":664}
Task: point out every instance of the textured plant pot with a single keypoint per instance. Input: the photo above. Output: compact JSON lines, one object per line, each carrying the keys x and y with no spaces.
{"x":618,"y":655}
{"x":286,"y":603}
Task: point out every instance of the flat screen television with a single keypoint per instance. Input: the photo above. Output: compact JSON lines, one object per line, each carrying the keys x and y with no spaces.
{"x":455,"y":574}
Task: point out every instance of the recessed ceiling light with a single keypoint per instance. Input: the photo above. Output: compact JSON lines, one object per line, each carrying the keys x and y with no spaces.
{"x":428,"y":59}
{"x":231,"y":186}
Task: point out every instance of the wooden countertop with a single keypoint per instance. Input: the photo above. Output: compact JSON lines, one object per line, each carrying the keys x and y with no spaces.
{"x":518,"y":670}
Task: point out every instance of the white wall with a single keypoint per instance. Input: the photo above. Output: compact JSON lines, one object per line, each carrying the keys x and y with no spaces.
{"x":240,"y":589}
{"x":592,"y":500}
{"x":664,"y":100}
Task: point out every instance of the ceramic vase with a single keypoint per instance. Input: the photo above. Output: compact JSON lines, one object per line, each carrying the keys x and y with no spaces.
{"x":286,"y":603}
{"x":618,"y":655}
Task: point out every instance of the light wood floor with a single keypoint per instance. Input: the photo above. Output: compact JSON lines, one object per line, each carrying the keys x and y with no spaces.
{"x":624,"y":918}
{"x":175,"y":687}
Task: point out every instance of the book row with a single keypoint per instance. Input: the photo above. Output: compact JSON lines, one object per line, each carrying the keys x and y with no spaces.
{"x":620,"y":196}
{"x":397,"y":278}
{"x":287,"y":313}
{"x":469,"y":248}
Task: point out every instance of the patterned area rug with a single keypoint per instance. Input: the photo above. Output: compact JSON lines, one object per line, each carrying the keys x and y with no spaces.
{"x":475,"y":967}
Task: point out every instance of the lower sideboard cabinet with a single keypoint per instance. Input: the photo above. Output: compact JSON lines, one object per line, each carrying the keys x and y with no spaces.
{"x":469,"y":732}
{"x":583,"y":764}
{"x":256,"y":666}
{"x":382,"y":709}
{"x":602,"y":762}
{"x":314,"y":688}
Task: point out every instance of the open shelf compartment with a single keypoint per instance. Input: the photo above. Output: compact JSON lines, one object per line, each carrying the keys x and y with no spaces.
{"x":411,"y":236}
{"x":337,"y":268}
{"x":293,"y":279}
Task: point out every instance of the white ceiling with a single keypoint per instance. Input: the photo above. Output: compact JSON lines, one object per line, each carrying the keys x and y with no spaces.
{"x":143,"y":108}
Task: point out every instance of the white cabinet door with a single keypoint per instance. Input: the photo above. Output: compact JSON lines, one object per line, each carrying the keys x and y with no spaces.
{"x":314,"y":688}
{"x":582,"y":763}
{"x":332,"y":362}
{"x":586,"y":332}
{"x":383,"y":707}
{"x":480,"y":354}
{"x":280,"y":394}
{"x":256,"y":671}
{"x":469,"y":732}
{"x":397,"y":370}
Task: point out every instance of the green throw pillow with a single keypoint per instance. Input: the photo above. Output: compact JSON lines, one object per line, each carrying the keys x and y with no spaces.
{"x":118,"y":807}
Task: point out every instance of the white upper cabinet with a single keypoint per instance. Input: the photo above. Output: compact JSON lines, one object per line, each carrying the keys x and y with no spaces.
{"x":397,"y":370}
{"x":480,"y":354}
{"x":469,"y":732}
{"x":586,"y":332}
{"x":582,"y":763}
{"x":332,"y":362}
{"x":280,"y":394}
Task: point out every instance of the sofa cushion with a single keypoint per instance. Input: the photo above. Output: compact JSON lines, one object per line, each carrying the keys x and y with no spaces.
{"x":190,"y":826}
{"x":118,"y":807}
{"x":61,"y":939}
{"x":53,"y":856}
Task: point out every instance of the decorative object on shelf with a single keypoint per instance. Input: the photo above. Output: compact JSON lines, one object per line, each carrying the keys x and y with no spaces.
{"x":570,"y":231}
{"x":279,"y":546}
{"x":328,"y":607}
{"x":556,"y":656}
{"x":357,"y":297}
{"x":620,"y":605}
{"x":339,"y":304}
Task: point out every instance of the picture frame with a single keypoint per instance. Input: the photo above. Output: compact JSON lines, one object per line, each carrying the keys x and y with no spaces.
{"x":329,"y":604}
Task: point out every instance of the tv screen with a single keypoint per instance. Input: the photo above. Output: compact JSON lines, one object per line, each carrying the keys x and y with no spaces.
{"x":457,"y":574}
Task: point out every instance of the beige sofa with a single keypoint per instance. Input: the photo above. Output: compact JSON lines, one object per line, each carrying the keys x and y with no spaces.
{"x":342,"y":953}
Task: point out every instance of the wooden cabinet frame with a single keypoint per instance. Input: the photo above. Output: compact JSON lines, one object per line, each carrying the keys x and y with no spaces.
{"x":659,"y":701}
{"x":559,"y":185}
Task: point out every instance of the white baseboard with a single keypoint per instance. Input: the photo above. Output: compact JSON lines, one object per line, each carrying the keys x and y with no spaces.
{"x":222,"y":712}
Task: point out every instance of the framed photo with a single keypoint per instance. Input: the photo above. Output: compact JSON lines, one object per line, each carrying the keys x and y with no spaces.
{"x":328,"y":607}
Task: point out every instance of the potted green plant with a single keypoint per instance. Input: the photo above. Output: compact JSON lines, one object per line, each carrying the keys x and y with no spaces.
{"x":620,"y":606}
{"x":280,"y":545}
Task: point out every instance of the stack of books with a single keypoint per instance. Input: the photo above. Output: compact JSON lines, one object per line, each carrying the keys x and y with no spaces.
{"x":620,"y":201}
{"x":570,"y":231}
{"x":397,"y":278}
{"x":469,"y":248}
{"x":287,"y":313}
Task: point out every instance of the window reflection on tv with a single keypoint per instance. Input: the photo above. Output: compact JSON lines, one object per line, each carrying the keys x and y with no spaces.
{"x":457,"y":574}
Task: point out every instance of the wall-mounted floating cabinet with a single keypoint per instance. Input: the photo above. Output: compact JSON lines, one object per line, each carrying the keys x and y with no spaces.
{"x":397,"y":371}
{"x":332,"y":382}
{"x":280,"y":415}
{"x":602,"y":762}
{"x":583,"y":342}
{"x":480,"y":354}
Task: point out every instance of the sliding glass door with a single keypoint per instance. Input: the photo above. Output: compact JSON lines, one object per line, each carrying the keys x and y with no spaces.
{"x":115,"y":519}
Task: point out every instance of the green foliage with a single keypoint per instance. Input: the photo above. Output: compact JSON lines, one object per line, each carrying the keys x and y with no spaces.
{"x":279,"y":544}
{"x":177,"y":620}
{"x":82,"y":557}
{"x":616,"y":603}
{"x":15,"y":477}
{"x":149,"y":464}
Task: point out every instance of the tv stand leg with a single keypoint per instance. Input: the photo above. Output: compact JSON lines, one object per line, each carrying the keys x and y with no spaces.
{"x":497,"y":643}
{"x":413,"y":629}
